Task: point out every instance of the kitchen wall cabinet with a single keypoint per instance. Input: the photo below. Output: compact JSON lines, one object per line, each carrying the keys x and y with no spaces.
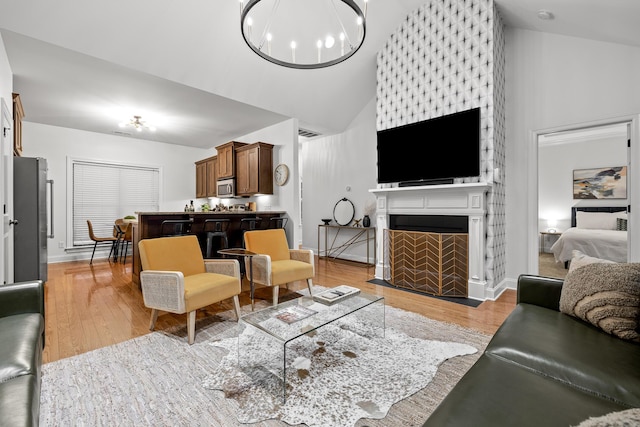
{"x":206,"y":177}
{"x":18,"y":115}
{"x":254,"y":169}
{"x":227,"y":158}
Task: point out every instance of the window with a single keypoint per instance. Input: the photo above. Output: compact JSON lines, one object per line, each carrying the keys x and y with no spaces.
{"x":103,"y":192}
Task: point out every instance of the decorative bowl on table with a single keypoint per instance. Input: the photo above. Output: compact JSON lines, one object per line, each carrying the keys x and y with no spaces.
{"x":326,"y":221}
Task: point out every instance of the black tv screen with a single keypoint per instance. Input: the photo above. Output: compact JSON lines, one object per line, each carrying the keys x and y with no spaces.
{"x":437,"y":149}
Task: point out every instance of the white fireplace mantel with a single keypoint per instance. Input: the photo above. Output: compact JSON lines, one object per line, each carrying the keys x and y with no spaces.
{"x":451,"y":199}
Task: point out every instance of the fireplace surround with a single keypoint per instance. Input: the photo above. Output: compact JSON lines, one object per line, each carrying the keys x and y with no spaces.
{"x":456,"y":200}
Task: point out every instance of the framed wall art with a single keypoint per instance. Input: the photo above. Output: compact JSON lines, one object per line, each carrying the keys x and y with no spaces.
{"x":600,"y":183}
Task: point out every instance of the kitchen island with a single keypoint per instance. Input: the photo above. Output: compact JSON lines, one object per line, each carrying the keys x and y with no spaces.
{"x":149,"y":224}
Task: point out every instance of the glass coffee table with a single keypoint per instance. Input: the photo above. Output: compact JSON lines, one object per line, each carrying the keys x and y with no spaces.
{"x":279,"y":326}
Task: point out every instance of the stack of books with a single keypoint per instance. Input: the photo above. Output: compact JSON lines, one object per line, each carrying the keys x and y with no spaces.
{"x":336,"y":294}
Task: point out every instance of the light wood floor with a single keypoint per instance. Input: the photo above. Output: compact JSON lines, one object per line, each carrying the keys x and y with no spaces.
{"x":93,"y":306}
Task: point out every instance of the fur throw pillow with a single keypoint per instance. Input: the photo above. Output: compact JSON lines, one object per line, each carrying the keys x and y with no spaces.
{"x":605,"y":295}
{"x":626,"y":418}
{"x":578,"y":259}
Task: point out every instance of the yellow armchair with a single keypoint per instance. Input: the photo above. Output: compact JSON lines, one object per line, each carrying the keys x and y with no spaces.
{"x":176,"y":278}
{"x":276,"y":264}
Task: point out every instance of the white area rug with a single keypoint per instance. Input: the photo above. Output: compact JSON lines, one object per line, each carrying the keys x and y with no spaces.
{"x":159,"y":380}
{"x":337,"y":376}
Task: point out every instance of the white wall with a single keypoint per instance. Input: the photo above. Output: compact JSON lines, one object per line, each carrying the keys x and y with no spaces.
{"x":554,"y":81}
{"x":284,"y":137}
{"x":330,"y":165}
{"x":56,"y":144}
{"x":556,"y":163}
{"x":6,"y":76}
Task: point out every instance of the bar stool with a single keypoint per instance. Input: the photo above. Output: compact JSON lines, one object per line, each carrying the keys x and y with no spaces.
{"x":278,"y":222}
{"x":216,"y":229}
{"x":175,"y":227}
{"x":249,"y":224}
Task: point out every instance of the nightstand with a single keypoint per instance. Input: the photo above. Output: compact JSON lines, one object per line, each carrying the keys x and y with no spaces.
{"x":545,"y":235}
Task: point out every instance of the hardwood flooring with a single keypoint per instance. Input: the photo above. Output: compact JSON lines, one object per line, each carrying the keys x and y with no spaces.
{"x":93,"y":306}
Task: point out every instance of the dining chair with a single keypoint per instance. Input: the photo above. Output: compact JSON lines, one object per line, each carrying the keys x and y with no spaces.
{"x":276,"y":264}
{"x":125,"y":231}
{"x":99,"y":240}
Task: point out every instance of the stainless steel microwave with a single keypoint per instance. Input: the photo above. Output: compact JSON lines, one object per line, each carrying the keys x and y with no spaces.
{"x":227,"y":187}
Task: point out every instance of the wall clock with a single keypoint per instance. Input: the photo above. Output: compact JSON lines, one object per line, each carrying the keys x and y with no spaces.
{"x":282,"y":174}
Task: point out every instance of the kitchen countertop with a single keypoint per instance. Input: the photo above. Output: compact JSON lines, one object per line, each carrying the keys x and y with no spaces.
{"x":210,"y":212}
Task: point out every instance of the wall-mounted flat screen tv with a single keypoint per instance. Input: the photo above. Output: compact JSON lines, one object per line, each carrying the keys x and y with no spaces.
{"x":433,"y":150}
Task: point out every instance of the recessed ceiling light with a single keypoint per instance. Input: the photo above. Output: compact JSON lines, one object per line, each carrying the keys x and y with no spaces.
{"x":545,"y":15}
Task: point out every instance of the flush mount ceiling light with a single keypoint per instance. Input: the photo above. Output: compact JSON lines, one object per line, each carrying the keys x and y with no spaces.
{"x":545,"y":15}
{"x":138,"y":124}
{"x":305,"y":35}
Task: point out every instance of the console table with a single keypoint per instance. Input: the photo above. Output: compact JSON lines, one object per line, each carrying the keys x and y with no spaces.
{"x":357,"y":235}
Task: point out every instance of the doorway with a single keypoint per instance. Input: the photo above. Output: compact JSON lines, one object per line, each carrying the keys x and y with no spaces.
{"x":6,"y":194}
{"x":559,"y":153}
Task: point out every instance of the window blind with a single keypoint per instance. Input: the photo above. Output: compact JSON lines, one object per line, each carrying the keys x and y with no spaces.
{"x":104,"y":192}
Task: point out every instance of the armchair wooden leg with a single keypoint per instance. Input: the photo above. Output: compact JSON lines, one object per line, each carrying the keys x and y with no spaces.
{"x":154,"y":317}
{"x":275,"y":294}
{"x":310,"y":285}
{"x":236,"y":305}
{"x":191,"y":326}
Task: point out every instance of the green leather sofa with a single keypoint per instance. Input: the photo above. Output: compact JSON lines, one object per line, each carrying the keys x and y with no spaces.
{"x":21,"y":345}
{"x":543,"y":368}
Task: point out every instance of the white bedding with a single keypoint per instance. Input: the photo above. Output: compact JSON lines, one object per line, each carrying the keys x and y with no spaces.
{"x":605,"y":244}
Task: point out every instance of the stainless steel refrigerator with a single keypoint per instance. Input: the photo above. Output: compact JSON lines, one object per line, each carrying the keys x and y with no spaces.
{"x":32,"y":218}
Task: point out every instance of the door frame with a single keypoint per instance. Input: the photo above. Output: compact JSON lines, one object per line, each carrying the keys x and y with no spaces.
{"x":6,"y":192}
{"x":633,"y":191}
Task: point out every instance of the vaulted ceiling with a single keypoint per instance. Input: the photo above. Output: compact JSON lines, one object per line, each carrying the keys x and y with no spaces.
{"x":185,"y":67}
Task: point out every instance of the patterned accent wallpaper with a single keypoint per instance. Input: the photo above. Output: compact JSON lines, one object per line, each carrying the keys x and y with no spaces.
{"x":449,"y":56}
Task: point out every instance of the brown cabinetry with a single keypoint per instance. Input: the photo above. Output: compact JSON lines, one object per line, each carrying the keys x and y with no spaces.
{"x":206,"y":177}
{"x":254,"y":174}
{"x":18,"y":114}
{"x":227,"y":159}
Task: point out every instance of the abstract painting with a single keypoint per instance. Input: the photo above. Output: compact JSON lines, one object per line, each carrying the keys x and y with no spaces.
{"x":600,"y":183}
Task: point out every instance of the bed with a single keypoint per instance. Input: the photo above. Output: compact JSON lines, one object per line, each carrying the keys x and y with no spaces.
{"x":595,"y":231}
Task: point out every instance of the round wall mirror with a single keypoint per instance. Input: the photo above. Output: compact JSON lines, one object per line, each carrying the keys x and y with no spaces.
{"x":343,"y":212}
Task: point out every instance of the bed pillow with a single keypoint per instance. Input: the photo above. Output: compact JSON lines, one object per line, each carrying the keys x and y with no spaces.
{"x":605,"y":294}
{"x":597,"y":220}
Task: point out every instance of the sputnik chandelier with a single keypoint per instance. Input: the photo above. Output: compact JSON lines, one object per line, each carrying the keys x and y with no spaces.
{"x":303,"y":34}
{"x":138,"y":124}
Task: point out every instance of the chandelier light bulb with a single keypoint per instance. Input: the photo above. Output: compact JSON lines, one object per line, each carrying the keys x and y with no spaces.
{"x":319,"y":46}
{"x":293,"y":52}
{"x":342,"y":37}
{"x":329,"y":41}
{"x":249,"y":26}
{"x":365,"y":8}
{"x":241,"y":5}
{"x":269,"y":38}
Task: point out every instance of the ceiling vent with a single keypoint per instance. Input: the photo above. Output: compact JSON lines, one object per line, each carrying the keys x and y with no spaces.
{"x":308,"y":133}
